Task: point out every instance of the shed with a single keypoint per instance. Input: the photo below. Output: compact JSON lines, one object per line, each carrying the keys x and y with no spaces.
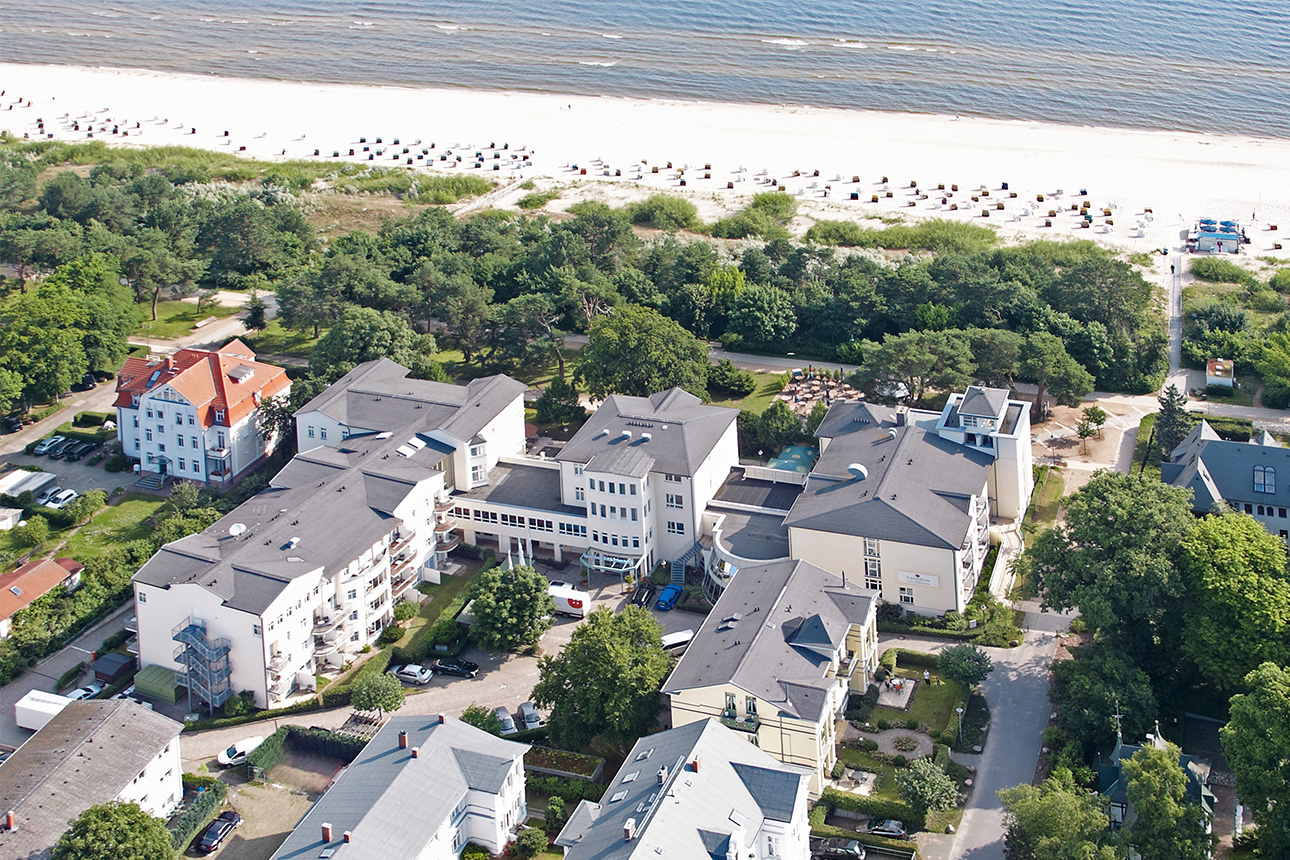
{"x":112,"y":667}
{"x":9,"y":517}
{"x":1220,"y":371}
{"x":156,"y":682}
{"x":1219,"y":243}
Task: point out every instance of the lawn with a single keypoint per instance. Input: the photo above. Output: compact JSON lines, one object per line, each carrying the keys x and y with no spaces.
{"x":933,"y":703}
{"x":273,"y":339}
{"x":441,"y":596}
{"x":117,"y":524}
{"x":1050,"y":486}
{"x":768,"y":385}
{"x":176,"y":319}
{"x":1145,"y":427}
{"x":884,"y":787}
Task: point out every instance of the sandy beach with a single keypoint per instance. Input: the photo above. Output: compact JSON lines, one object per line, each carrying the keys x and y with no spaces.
{"x":1177,"y":176}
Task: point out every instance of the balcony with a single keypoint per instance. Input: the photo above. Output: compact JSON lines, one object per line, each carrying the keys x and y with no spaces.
{"x":278,"y":662}
{"x":750,"y":723}
{"x":448,"y":545}
{"x":132,"y":625}
{"x":444,"y":505}
{"x":133,"y":646}
{"x":445,"y":525}
{"x":323,"y":647}
{"x":401,"y":541}
{"x":328,"y":623}
{"x":400,"y":588}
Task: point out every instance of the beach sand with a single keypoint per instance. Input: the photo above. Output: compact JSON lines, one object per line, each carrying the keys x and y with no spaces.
{"x":1179,"y":176}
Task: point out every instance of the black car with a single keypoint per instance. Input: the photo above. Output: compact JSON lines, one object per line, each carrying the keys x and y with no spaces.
{"x":836,"y":848}
{"x":12,"y":424}
{"x":456,"y":666}
{"x":644,"y":594}
{"x":217,"y":831}
{"x":62,"y":448}
{"x":82,"y":450}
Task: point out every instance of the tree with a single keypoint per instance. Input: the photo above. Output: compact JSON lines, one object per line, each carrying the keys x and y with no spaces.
{"x":1056,"y":821}
{"x":556,"y":814}
{"x":184,"y":495}
{"x":512,"y":608}
{"x":918,"y":362}
{"x":33,"y":534}
{"x":254,"y":318}
{"x":558,"y":404}
{"x":406,"y":610}
{"x":482,"y":718}
{"x":725,"y":378}
{"x":1167,"y":826}
{"x":1173,"y":422}
{"x":382,"y":693}
{"x":762,"y":316}
{"x":997,"y":353}
{"x":1255,"y":741}
{"x":89,"y":504}
{"x":1114,"y":559}
{"x":529,"y":842}
{"x":966,"y":664}
{"x":364,"y":334}
{"x":926,"y":787}
{"x":813,"y":421}
{"x":639,"y":351}
{"x":115,"y":831}
{"x":1085,"y":430}
{"x":1095,"y":686}
{"x":1044,"y":361}
{"x":1096,"y":416}
{"x":606,"y":680}
{"x":778,"y":426}
{"x":1237,"y":610}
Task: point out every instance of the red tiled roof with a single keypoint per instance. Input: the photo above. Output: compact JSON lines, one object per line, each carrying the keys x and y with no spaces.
{"x":205,"y":379}
{"x":34,"y":580}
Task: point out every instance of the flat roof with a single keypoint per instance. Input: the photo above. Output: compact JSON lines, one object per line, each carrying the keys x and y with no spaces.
{"x":757,"y":537}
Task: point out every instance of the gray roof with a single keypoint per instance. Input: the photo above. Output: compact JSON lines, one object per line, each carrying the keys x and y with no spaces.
{"x":759,"y":537}
{"x":394,"y":803}
{"x":86,"y":755}
{"x":697,"y":810}
{"x":739,"y":489}
{"x":523,"y":485}
{"x":1215,"y":469}
{"x":917,"y":488}
{"x":683,"y":430}
{"x":792,"y":616}
{"x":982,"y":402}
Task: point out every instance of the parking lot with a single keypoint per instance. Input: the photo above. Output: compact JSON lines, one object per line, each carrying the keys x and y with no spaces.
{"x":78,"y":476}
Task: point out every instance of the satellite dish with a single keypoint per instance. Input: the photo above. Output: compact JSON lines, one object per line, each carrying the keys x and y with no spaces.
{"x":237,"y":529}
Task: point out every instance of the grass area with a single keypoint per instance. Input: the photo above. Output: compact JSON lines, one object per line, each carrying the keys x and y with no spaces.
{"x":1050,"y":486}
{"x":334,"y":214}
{"x":939,"y":820}
{"x":768,"y":385}
{"x":441,"y":596}
{"x":933,"y":704}
{"x":1242,"y":395}
{"x":1140,"y":449}
{"x":130,"y":519}
{"x":273,"y":339}
{"x":176,"y":319}
{"x":884,"y":787}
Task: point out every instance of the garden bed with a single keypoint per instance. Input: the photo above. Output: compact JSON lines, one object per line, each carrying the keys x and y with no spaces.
{"x":555,"y":762}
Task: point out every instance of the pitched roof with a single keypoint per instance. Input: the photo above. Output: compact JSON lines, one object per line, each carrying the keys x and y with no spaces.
{"x":35,"y":579}
{"x":392,"y":803}
{"x":772,"y":633}
{"x":916,"y":489}
{"x":697,"y":811}
{"x":86,"y":755}
{"x":1215,"y":469}
{"x":682,"y":433}
{"x":228,"y":380}
{"x":983,"y":402}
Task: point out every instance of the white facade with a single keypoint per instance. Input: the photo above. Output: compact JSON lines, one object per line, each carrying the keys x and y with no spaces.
{"x":159,"y":787}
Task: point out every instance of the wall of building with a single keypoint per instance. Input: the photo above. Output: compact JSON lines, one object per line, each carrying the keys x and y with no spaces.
{"x":838,"y":552}
{"x":159,"y":787}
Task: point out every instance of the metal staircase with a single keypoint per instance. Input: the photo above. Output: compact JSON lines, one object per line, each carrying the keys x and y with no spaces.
{"x":205,"y":661}
{"x":678,"y":566}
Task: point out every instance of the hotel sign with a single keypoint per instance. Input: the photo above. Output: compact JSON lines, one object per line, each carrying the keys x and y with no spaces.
{"x":930,"y":580}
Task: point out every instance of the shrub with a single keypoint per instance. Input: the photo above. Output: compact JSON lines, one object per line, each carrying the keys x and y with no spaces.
{"x":118,"y":462}
{"x":203,"y":808}
{"x":874,"y":807}
{"x":838,"y":769}
{"x":904,"y":743}
{"x":529,"y":843}
{"x":664,"y":212}
{"x":114,"y":641}
{"x":976,"y":716}
{"x":570,"y":790}
{"x":891,"y":613}
{"x":268,"y":754}
{"x":861,"y":706}
{"x":1220,"y":270}
{"x":556,"y":814}
{"x":242,"y":703}
{"x":926,"y":787}
{"x":475,"y":852}
{"x":899,"y":760}
{"x":33,"y":534}
{"x":389,"y":635}
{"x":725,"y":378}
{"x":538,"y":199}
{"x":69,"y":677}
{"x":406,"y":610}
{"x":1078,"y":625}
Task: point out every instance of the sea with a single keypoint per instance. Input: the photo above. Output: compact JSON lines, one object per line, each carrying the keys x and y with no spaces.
{"x":1190,"y":65}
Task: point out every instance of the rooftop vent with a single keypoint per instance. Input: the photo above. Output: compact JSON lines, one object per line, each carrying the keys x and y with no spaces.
{"x":293,"y":543}
{"x":662,"y":774}
{"x":892,"y":433}
{"x":858,"y":471}
{"x":629,"y":830}
{"x":17,"y":592}
{"x":645,"y":437}
{"x":626,"y":434}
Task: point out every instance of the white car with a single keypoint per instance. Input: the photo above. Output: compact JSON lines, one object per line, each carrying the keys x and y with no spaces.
{"x":236,"y":754}
{"x":560,"y":583}
{"x":63,"y":499}
{"x":128,"y":693}
{"x":48,"y":493}
{"x":414,"y":674}
{"x":89,"y":691}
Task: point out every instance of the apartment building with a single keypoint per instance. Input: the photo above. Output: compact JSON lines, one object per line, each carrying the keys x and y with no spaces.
{"x":422,"y":788}
{"x":195,"y":414}
{"x":91,"y":752}
{"x":776,"y":661}
{"x":698,"y":792}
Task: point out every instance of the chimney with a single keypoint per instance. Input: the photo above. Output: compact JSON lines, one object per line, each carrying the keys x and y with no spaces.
{"x":695,"y":764}
{"x":442,"y":719}
{"x":326,"y":831}
{"x":10,"y":821}
{"x":403,"y":740}
{"x":902,"y":415}
{"x":662,"y":774}
{"x":349,"y":836}
{"x":629,"y":830}
{"x":416,"y":752}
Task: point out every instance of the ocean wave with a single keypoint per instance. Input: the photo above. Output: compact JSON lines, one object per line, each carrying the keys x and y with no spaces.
{"x":609,"y":36}
{"x":596,"y":63}
{"x":447,"y":26}
{"x":791,"y":44}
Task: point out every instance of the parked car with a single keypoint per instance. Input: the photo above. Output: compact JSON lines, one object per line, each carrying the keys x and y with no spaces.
{"x":836,"y":848}
{"x":89,"y":691}
{"x":217,"y":831}
{"x":668,"y":597}
{"x":57,"y":451}
{"x":236,"y":754}
{"x":644,"y":593}
{"x":456,"y":666}
{"x":508,"y":722}
{"x":43,"y":497}
{"x":82,"y":450}
{"x":62,"y":500}
{"x":529,"y":716}
{"x":888,"y":827}
{"x":128,"y":693}
{"x":414,"y":674}
{"x":87,"y":383}
{"x":12,"y":423}
{"x":43,"y":446}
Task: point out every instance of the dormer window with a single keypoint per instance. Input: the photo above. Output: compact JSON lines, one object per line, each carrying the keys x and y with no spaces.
{"x":134,"y":401}
{"x":1265,"y":479}
{"x":219,"y":416}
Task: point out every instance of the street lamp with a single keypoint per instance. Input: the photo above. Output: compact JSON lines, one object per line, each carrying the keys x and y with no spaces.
{"x":959,"y":711}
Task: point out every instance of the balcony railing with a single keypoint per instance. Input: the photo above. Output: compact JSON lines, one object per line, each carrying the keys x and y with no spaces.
{"x":322,"y":647}
{"x":445,"y":505}
{"x":132,"y":625}
{"x":448,"y":545}
{"x":133,"y":646}
{"x":278,"y":661}
{"x":328,"y":623}
{"x":750,"y":723}
{"x":402,"y":586}
{"x":447,"y":524}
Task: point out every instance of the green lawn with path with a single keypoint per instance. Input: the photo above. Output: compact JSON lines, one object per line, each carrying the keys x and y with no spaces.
{"x":933,"y":704}
{"x":768,"y":385}
{"x":176,"y":319}
{"x":128,"y":520}
{"x":273,"y":339}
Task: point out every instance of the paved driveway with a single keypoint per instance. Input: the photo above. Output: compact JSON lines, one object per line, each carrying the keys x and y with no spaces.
{"x":79,"y":476}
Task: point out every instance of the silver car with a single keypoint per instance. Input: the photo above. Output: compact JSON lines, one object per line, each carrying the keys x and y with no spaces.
{"x":507,"y":721}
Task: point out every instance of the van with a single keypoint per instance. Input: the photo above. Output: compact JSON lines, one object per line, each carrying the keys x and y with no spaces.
{"x":677,"y":642}
{"x":570,"y":601}
{"x":529,"y":716}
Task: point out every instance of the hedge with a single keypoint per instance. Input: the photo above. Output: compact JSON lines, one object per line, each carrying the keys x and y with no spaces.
{"x":572,"y":790}
{"x":70,"y":676}
{"x":976,"y":716}
{"x":211,"y":796}
{"x":268,"y":754}
{"x":539,"y":734}
{"x":874,"y":807}
{"x":273,"y":751}
{"x":228,"y":722}
{"x":905,"y":657}
{"x":859,"y":707}
{"x":929,"y":632}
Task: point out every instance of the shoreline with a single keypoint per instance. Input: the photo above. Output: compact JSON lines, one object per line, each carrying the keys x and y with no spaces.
{"x":1179,"y":175}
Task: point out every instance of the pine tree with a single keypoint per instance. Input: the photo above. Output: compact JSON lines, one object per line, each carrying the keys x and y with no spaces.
{"x":1173,"y":422}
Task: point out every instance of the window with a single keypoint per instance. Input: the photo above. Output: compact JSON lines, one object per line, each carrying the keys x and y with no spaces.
{"x":182,"y":466}
{"x":353,"y":594}
{"x":194,"y":442}
{"x":675,"y":528}
{"x":322,"y":432}
{"x":1265,"y":479}
{"x":1249,"y":509}
{"x":476,"y":450}
{"x":672,"y":479}
{"x":512,"y":520}
{"x":611,"y":488}
{"x":147,"y":434}
{"x":633,"y":515}
{"x":573,"y":530}
{"x":179,"y":421}
{"x":353,"y":616}
{"x":134,"y":400}
{"x":143,"y":598}
{"x":1281,"y":512}
{"x":136,"y":421}
{"x":750,"y":706}
{"x":730,"y":702}
{"x":353,"y":637}
{"x":136,"y":444}
{"x":906,"y":595}
{"x":675,"y":500}
{"x":636,"y":542}
{"x":219,"y":416}
{"x":873,"y":574}
{"x":579,"y":495}
{"x":162,"y":447}
{"x":256,"y":630}
{"x":161,"y":414}
{"x":541,"y":525}
{"x":602,"y":486}
{"x":219,"y":438}
{"x":149,"y":413}
{"x":613,"y":511}
{"x":602,"y":510}
{"x":622,"y":489}
{"x":192,"y":420}
{"x":478,"y":473}
{"x":486,"y":516}
{"x":311,"y":432}
{"x":577,"y":470}
{"x":871,"y":547}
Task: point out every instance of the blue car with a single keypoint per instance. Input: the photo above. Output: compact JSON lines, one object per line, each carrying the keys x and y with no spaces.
{"x":668,"y":597}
